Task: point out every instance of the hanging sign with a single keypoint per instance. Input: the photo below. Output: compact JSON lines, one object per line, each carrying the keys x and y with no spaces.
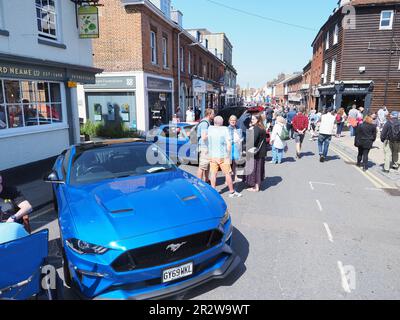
{"x":88,"y":17}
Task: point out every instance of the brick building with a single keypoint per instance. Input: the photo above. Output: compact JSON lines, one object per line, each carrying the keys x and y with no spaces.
{"x":360,"y":56}
{"x":138,"y":50}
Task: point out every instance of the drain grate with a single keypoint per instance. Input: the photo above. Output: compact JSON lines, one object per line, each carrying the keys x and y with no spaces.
{"x":393,"y":192}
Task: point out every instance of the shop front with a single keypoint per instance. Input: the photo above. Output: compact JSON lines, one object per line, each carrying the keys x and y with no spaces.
{"x":38,"y":108}
{"x":112,"y":99}
{"x":347,"y":93}
{"x":160,"y":104}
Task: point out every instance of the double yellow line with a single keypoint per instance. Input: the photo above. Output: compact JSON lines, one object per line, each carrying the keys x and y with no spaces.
{"x":377,"y":182}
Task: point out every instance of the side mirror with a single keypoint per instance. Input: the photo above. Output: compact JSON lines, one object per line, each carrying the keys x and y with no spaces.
{"x":53,"y":178}
{"x":155,"y":140}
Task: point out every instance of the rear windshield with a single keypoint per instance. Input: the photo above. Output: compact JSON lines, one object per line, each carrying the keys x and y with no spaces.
{"x":113,"y":162}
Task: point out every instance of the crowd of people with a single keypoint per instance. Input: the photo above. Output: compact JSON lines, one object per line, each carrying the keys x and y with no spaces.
{"x":221,"y":147}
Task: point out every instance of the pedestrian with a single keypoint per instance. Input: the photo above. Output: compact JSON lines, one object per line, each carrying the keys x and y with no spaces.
{"x":383,"y":114}
{"x":352,"y":120}
{"x":390,"y":136}
{"x":190,"y":115}
{"x":300,"y":126}
{"x":257,"y":151}
{"x":236,"y":139}
{"x":278,"y":142}
{"x":13,"y":205}
{"x":289,"y":119}
{"x":364,"y":140}
{"x":313,"y":119}
{"x":202,"y":138}
{"x":326,"y":131}
{"x":220,"y":148}
{"x":340,"y":121}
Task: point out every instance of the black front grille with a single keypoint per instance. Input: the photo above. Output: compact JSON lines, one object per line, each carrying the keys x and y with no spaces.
{"x":158,"y":254}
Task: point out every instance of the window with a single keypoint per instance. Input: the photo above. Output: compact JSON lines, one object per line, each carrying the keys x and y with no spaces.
{"x":326,"y":72}
{"x":336,"y":35}
{"x":182,"y":60}
{"x":327,"y":39}
{"x":333,"y":70}
{"x":165,"y":52}
{"x":386,"y":20}
{"x":29,"y":103}
{"x":1,"y":15}
{"x":190,"y":63}
{"x":153,"y":46}
{"x":46,"y":16}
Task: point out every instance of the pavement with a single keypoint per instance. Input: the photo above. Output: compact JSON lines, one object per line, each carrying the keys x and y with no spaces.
{"x":315,"y":231}
{"x":376,"y":156}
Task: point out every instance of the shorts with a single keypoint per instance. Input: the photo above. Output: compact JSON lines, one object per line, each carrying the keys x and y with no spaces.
{"x":204,"y":160}
{"x":222,"y":164}
{"x":299,"y":138}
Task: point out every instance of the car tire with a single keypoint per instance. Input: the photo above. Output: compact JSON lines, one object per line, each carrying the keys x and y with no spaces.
{"x":67,"y":273}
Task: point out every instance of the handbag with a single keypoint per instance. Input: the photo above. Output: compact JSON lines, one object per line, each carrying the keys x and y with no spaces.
{"x":254,"y":151}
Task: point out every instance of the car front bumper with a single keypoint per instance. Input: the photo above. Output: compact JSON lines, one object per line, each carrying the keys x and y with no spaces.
{"x":219,"y":271}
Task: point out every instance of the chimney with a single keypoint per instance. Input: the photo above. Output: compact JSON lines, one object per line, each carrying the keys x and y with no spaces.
{"x":177,"y":17}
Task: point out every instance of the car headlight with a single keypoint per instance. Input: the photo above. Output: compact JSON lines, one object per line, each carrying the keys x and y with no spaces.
{"x":225,"y":218}
{"x":83,"y":247}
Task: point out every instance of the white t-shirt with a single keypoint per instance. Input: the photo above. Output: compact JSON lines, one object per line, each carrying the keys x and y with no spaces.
{"x":327,"y":124}
{"x":189,"y":116}
{"x":218,"y":142}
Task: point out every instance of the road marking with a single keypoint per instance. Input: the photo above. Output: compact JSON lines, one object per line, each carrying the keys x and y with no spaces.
{"x":328,"y":231}
{"x":319,"y":205}
{"x":312,"y":186}
{"x":378,"y":183}
{"x":345,"y":282}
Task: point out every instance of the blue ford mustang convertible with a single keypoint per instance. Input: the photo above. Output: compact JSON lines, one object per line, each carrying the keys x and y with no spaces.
{"x":134,"y":226}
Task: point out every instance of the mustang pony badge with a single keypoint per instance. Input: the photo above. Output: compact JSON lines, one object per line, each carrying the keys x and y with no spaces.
{"x":175,"y":247}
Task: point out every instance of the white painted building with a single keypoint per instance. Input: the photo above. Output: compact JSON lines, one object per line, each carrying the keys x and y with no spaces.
{"x":40,"y":53}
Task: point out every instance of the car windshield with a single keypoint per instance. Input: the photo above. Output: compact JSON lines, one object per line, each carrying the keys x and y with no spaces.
{"x":118,"y":161}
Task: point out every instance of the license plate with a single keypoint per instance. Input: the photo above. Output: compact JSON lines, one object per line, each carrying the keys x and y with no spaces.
{"x":177,"y":272}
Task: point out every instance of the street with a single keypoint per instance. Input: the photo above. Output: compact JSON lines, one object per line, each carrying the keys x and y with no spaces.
{"x":316,"y":231}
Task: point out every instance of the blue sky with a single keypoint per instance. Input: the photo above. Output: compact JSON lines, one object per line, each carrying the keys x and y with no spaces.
{"x":262,"y":48}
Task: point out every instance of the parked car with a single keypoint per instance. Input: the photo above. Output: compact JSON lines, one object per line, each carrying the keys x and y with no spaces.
{"x":133,"y":225}
{"x":174,"y":140}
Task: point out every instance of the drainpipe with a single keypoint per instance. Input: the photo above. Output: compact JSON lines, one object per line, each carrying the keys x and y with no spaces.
{"x":390,"y":56}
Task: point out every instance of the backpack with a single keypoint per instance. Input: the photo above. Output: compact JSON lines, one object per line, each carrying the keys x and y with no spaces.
{"x":194,"y":137}
{"x":395,"y":132}
{"x":284,"y":136}
{"x":338,"y":118}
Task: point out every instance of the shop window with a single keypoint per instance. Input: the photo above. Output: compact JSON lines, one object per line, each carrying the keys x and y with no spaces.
{"x":386,"y":22}
{"x":46,"y":17}
{"x":29,"y":103}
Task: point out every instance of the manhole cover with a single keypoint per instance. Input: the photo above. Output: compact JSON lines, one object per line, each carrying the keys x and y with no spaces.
{"x":393,"y":192}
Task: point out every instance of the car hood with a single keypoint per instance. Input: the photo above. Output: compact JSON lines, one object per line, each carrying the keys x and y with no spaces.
{"x":132,"y":207}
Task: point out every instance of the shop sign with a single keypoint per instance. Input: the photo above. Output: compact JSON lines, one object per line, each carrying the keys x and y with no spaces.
{"x":199,"y":86}
{"x":210,"y":88}
{"x":159,"y":84}
{"x":9,"y":70}
{"x":356,"y":89}
{"x":88,"y":20}
{"x":113,"y":83}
